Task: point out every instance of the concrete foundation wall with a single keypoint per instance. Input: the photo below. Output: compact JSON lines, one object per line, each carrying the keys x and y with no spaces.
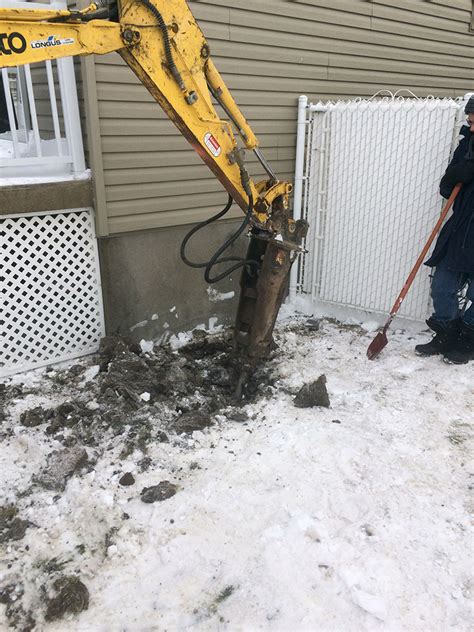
{"x":148,"y":290}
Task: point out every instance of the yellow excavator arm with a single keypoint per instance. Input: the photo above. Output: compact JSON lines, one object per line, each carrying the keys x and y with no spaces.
{"x":164,"y":46}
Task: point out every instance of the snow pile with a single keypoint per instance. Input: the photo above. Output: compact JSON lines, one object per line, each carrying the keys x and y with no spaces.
{"x":29,"y":149}
{"x":34,"y":173}
{"x":353,"y":516}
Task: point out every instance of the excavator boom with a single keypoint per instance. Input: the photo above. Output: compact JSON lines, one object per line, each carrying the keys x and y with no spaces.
{"x":164,"y":46}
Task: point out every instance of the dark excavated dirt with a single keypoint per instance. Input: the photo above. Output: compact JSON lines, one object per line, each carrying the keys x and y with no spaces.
{"x":71,"y":597}
{"x":313,"y":394}
{"x":189,"y":422}
{"x":60,"y":467}
{"x":127,"y":479}
{"x":143,"y":397}
{"x":135,"y":400}
{"x":35,"y":417}
{"x":158,"y":493}
{"x":12,"y":527}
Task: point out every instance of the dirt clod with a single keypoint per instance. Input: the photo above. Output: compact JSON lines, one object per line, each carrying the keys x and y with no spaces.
{"x":127,"y":479}
{"x":237,"y":415}
{"x":313,"y":324}
{"x":35,"y":417}
{"x":60,"y":467}
{"x":162,"y":491}
{"x":68,"y":415}
{"x":191,"y":421}
{"x":11,"y":526}
{"x":313,"y":394}
{"x":71,"y":597}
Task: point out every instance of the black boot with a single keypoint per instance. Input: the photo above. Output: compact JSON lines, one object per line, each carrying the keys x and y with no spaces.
{"x":463,"y":350}
{"x":444,"y":339}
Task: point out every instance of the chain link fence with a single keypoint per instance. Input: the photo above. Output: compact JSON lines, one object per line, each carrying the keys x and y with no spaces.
{"x":369,"y":189}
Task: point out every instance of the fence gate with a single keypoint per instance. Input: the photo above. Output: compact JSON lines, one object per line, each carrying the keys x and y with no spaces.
{"x":367,"y":175}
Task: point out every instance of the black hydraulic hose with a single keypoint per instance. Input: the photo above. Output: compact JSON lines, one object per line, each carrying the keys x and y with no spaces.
{"x":215,"y":260}
{"x":166,"y":39}
{"x":198,"y":227}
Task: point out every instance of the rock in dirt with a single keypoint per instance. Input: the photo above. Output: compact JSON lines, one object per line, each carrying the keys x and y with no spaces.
{"x":35,"y":417}
{"x":189,"y":422}
{"x":127,"y":479}
{"x":11,"y":526}
{"x":313,"y":324}
{"x":60,"y":467}
{"x":235,"y":414}
{"x":162,"y":491}
{"x":71,"y":597}
{"x":313,"y":394}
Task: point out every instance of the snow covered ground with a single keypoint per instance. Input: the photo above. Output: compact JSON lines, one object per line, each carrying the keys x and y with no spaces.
{"x":348,"y":518}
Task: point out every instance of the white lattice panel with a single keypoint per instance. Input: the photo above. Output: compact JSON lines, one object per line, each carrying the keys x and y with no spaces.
{"x":371,"y":198}
{"x":51,"y":294}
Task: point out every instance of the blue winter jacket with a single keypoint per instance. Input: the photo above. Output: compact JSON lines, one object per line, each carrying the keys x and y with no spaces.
{"x":456,"y":239}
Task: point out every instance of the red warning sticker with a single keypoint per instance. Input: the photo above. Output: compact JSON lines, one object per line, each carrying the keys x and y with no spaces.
{"x":212,"y":144}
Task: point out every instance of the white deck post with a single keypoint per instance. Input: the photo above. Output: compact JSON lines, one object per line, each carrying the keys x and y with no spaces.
{"x":299,"y":174}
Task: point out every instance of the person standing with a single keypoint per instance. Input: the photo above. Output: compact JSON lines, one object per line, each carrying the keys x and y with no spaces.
{"x":453,"y":259}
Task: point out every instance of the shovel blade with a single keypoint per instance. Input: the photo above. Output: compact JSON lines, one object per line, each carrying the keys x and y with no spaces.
{"x":378,"y":343}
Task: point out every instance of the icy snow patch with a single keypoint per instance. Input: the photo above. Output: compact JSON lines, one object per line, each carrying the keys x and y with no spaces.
{"x":147,"y":345}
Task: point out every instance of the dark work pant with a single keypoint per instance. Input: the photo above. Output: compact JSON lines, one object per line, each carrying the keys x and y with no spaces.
{"x":444,"y":292}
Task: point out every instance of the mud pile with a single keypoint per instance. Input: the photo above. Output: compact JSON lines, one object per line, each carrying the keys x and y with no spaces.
{"x":141,"y":397}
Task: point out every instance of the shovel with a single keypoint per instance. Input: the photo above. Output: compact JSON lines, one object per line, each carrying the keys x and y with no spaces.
{"x":380,"y":341}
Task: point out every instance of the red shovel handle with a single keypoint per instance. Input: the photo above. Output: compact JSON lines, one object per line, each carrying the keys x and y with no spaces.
{"x":380,"y":341}
{"x":419,"y":261}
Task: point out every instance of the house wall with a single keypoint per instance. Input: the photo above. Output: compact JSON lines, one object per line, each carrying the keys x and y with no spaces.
{"x":269,"y":51}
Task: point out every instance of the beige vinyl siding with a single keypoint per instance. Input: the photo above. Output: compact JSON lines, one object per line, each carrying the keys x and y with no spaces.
{"x":269,"y":52}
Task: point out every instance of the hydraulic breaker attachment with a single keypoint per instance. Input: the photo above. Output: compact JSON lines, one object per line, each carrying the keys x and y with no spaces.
{"x":263,"y":288}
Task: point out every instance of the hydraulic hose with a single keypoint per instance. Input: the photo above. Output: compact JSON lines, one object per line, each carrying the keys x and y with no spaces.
{"x":215,"y":259}
{"x":166,"y":39}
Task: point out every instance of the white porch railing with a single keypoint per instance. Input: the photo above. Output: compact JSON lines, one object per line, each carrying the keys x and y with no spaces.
{"x":41,"y":130}
{"x":367,"y":174}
